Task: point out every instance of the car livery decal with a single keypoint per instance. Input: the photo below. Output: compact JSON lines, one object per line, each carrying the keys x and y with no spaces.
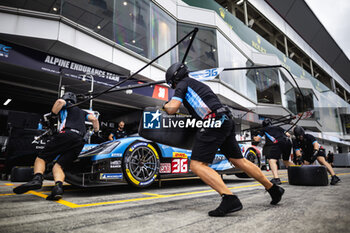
{"x":165,"y":168}
{"x":223,"y":165}
{"x":149,"y":181}
{"x":111,"y":176}
{"x":138,"y":144}
{"x":117,"y":155}
{"x":179,"y":155}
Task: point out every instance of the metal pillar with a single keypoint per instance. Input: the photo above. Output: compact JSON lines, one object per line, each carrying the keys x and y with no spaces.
{"x":286,"y":45}
{"x":312,"y":68}
{"x":245,"y":12}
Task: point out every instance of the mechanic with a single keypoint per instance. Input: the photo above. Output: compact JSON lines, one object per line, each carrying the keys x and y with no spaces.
{"x":63,"y":148}
{"x":306,"y":147}
{"x":119,"y":133}
{"x":330,"y":158}
{"x":202,"y":104}
{"x":277,"y":144}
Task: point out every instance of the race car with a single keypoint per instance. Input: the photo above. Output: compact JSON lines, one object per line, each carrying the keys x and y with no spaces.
{"x":140,"y":163}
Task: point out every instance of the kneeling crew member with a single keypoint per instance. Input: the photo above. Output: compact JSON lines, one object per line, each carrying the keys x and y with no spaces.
{"x":277,"y":145}
{"x":311,"y":151}
{"x":202,"y":104}
{"x":63,"y":148}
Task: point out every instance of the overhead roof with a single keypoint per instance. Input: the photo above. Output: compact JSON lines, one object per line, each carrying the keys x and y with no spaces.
{"x":302,"y":19}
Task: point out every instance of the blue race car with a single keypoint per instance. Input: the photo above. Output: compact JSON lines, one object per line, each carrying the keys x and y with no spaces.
{"x":140,"y":162}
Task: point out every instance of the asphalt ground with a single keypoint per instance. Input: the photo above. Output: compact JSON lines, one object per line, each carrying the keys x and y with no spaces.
{"x":178,"y":206}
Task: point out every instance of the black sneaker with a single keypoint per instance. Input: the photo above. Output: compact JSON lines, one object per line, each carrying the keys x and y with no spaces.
{"x":276,"y":193}
{"x":276,"y":181}
{"x":35,"y":183}
{"x":335,"y":179}
{"x":56,"y":192}
{"x":229,"y":204}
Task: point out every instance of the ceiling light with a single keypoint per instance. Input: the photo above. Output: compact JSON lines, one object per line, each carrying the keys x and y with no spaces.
{"x":7,"y":102}
{"x":54,"y":9}
{"x":317,"y":74}
{"x":214,"y":50}
{"x":239,"y":2}
{"x":292,"y":55}
{"x":250,"y":23}
{"x":133,"y":41}
{"x":98,"y":27}
{"x":125,"y":3}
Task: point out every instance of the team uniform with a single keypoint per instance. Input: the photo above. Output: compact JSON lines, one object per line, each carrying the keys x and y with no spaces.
{"x":65,"y":146}
{"x":119,"y":134}
{"x":277,"y":143}
{"x":202,"y":103}
{"x":307,"y":147}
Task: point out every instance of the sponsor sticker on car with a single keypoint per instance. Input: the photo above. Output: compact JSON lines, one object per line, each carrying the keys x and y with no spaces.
{"x":165,"y":168}
{"x":111,"y":176}
{"x":137,"y":145}
{"x":116,"y":164}
{"x":179,"y":155}
{"x":179,"y":166}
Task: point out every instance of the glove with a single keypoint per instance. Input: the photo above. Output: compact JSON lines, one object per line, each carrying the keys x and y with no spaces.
{"x":314,"y":156}
{"x":299,"y":160}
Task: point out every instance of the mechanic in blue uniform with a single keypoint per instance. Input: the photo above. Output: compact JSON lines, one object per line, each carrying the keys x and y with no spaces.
{"x":277,"y":144}
{"x":119,"y":133}
{"x":307,"y":147}
{"x":63,"y":148}
{"x":202,"y":104}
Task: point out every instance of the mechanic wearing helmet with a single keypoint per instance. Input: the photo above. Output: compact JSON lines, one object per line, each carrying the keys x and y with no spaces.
{"x":307,"y":148}
{"x":203,"y":104}
{"x":63,"y":148}
{"x":277,"y":144}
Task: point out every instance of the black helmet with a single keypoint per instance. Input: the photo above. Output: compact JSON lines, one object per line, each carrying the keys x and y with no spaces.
{"x":266,"y":122}
{"x":70,"y":96}
{"x":298,"y":131}
{"x":175,"y":73}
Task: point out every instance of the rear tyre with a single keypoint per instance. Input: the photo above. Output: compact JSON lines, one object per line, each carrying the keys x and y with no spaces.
{"x":22,"y":174}
{"x":141,"y":164}
{"x":308,"y":175}
{"x":252,"y":157}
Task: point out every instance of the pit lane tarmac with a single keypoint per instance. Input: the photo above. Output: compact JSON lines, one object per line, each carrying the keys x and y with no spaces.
{"x":178,"y":206}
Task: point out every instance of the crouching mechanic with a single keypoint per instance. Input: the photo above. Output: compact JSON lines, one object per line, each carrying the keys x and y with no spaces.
{"x":277,"y":145}
{"x":203,"y":104}
{"x":63,"y":148}
{"x":311,"y":150}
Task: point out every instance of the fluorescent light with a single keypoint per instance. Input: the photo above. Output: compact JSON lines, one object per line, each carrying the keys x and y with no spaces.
{"x":55,"y":9}
{"x":98,"y":27}
{"x":239,"y":2}
{"x":292,"y":55}
{"x":317,"y":74}
{"x":7,"y":102}
{"x":125,"y":3}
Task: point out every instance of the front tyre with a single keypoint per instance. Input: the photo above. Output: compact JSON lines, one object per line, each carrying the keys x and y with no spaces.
{"x":141,"y":164}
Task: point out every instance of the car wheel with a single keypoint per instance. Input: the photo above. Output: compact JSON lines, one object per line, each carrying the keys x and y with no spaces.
{"x":308,"y":175}
{"x":141,"y":164}
{"x":252,"y":157}
{"x":22,"y":174}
